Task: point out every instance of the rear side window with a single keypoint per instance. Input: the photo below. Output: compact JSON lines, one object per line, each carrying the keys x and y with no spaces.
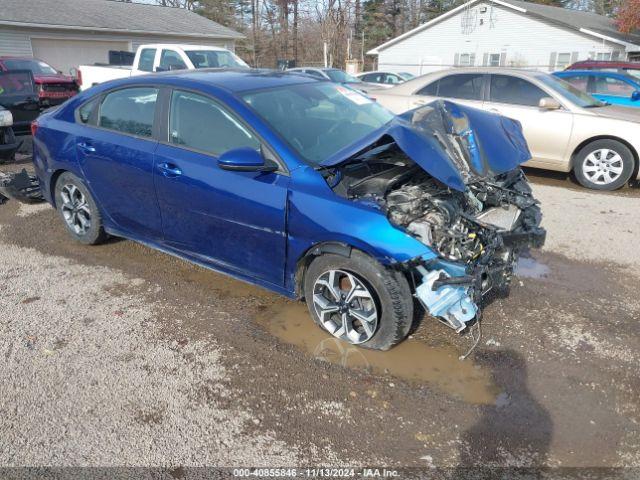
{"x":85,"y":112}
{"x":199,"y":123}
{"x":515,"y":91}
{"x":466,"y":86}
{"x":147,"y":56}
{"x":130,"y":111}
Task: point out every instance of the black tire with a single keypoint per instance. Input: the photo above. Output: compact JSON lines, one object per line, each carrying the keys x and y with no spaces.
{"x":390,"y":289}
{"x":583,"y":158}
{"x":94,"y":233}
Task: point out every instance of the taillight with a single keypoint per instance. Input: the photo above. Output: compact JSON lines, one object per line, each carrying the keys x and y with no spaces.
{"x":34,"y":128}
{"x":79,"y":77}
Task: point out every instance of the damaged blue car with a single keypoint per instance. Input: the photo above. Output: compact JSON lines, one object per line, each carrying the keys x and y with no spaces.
{"x":301,"y":186}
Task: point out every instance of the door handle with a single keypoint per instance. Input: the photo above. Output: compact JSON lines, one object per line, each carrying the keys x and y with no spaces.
{"x":170,"y":170}
{"x":85,"y":147}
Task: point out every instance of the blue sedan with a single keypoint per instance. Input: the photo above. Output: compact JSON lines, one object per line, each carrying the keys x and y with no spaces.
{"x":610,"y":87}
{"x":304,"y":187}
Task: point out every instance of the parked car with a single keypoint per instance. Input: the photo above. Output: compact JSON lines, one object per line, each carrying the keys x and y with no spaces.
{"x":160,"y":58}
{"x":385,"y":78}
{"x":18,"y":95}
{"x":52,"y":86}
{"x":8,"y":143}
{"x":301,"y":186}
{"x":609,"y":87}
{"x":337,"y":76}
{"x":630,"y":68}
{"x":566,"y":129}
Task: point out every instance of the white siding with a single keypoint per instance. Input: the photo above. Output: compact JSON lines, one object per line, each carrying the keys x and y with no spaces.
{"x":521,"y":41}
{"x":14,"y":43}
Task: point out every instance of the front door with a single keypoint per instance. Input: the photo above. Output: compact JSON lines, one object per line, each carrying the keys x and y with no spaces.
{"x":116,"y":152}
{"x":235,"y":220}
{"x":547,"y":131}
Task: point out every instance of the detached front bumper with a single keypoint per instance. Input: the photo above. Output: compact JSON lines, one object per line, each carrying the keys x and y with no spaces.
{"x":453,"y":292}
{"x":21,"y":186}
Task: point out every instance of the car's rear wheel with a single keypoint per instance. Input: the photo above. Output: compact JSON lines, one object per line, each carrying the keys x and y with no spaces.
{"x":358,"y":300}
{"x":604,"y":165}
{"x":78,"y":210}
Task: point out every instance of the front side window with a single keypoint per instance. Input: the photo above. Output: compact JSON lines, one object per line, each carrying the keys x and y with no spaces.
{"x":318,"y":119}
{"x":612,"y":86}
{"x":147,"y":57}
{"x":515,"y":91}
{"x":199,"y":123}
{"x":171,"y":60}
{"x":465,"y":86}
{"x":130,"y":111}
{"x":392,"y":79}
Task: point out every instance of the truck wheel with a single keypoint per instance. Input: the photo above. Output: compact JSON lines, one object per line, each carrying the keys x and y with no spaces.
{"x":78,"y":210}
{"x":604,"y":165}
{"x":358,"y":300}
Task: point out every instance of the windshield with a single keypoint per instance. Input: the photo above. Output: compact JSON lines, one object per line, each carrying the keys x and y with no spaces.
{"x":570,"y":92}
{"x":214,"y":59}
{"x":407,"y":75}
{"x":37,"y":67}
{"x":318,"y":119}
{"x":339,"y":76}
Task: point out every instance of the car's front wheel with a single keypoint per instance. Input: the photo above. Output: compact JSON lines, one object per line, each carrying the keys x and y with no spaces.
{"x":604,"y":165}
{"x":358,"y":300}
{"x":78,"y":210}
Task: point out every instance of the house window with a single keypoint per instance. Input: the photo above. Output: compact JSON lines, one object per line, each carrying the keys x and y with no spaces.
{"x":494,"y":60}
{"x":466,"y":59}
{"x":563,"y":60}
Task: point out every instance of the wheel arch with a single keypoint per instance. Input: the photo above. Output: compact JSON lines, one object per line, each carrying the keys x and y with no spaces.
{"x":303,"y":262}
{"x":584,"y":143}
{"x":52,"y":184}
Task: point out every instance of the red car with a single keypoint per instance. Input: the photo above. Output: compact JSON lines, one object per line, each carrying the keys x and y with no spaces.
{"x":52,"y":87}
{"x":630,"y":68}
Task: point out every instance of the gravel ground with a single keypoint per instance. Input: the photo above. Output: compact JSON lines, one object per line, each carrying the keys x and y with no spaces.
{"x":121,"y":355}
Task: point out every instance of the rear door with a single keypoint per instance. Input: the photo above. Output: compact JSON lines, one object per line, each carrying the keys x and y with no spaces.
{"x":18,"y":95}
{"x":547,"y":131}
{"x":116,"y":152}
{"x":230,"y":218}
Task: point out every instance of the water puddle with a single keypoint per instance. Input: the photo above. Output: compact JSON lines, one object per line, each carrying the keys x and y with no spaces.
{"x":413,"y":361}
{"x":529,"y":267}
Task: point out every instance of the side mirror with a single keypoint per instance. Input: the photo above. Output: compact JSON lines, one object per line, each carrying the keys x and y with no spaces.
{"x":635,"y":96}
{"x":245,"y":159}
{"x":548,"y":103}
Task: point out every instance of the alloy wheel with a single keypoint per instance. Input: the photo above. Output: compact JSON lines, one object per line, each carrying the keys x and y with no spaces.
{"x":602,"y":166}
{"x":345,"y":306}
{"x":75,"y":210}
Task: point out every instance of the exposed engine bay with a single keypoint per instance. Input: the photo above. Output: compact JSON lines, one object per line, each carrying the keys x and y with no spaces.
{"x":477,"y":233}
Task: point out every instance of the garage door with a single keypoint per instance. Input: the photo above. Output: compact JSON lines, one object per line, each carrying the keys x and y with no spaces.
{"x":66,"y":54}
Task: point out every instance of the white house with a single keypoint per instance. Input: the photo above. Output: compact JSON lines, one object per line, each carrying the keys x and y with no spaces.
{"x":509,"y":33}
{"x":67,"y":33}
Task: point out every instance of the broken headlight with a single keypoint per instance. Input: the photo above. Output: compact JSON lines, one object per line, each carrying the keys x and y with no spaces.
{"x":6,"y":118}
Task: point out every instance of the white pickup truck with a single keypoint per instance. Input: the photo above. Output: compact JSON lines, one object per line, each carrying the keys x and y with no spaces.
{"x":161,"y":58}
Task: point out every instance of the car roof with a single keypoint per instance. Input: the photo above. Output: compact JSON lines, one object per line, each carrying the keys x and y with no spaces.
{"x":231,"y":79}
{"x":182,"y":46}
{"x":597,"y":73}
{"x":604,"y":63}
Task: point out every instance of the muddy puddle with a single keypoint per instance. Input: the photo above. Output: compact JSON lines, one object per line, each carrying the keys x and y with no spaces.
{"x":529,"y":267}
{"x":412,"y":361}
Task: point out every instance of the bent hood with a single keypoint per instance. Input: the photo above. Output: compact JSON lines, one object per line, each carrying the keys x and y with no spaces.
{"x":454,"y":143}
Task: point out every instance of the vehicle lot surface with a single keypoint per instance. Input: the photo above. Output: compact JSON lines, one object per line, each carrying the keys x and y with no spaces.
{"x":118,"y":354}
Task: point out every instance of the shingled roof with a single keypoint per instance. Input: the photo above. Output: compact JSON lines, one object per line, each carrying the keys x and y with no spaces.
{"x":110,"y":16}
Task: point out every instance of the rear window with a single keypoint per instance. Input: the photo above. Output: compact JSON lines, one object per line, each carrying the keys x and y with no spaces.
{"x":130,"y":111}
{"x":147,"y":57}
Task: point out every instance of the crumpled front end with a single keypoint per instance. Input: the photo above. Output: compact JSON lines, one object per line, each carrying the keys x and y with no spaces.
{"x":450,"y":176}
